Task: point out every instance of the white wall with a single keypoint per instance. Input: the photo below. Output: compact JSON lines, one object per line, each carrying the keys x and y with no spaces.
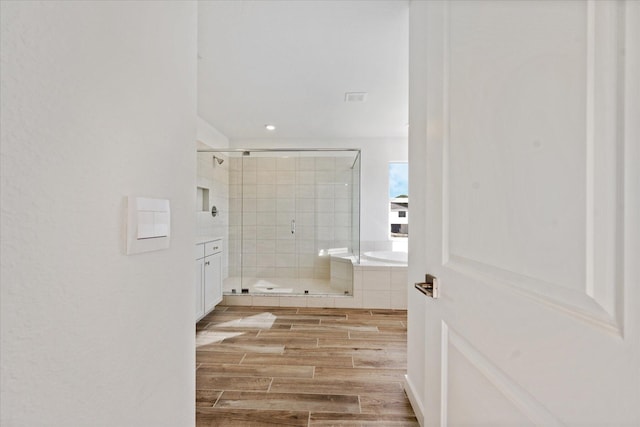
{"x":376,"y":155}
{"x":210,"y":136}
{"x":214,"y":177}
{"x":98,"y":102}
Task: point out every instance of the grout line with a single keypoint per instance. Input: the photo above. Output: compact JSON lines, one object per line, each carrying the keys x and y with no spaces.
{"x":218,"y":399}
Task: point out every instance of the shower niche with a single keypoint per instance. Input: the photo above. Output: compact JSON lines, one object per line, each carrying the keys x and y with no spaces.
{"x":290,"y":213}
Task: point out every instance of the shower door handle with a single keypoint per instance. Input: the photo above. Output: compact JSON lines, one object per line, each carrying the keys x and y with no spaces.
{"x":293,"y":226}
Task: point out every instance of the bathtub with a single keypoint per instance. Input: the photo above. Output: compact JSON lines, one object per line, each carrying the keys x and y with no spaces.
{"x":387,"y":256}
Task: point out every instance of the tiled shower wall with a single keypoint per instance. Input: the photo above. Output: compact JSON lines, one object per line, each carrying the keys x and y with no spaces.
{"x":215,"y":178}
{"x":267,"y":193}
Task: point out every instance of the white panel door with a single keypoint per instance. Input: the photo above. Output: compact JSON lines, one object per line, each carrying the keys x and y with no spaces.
{"x":532,"y":213}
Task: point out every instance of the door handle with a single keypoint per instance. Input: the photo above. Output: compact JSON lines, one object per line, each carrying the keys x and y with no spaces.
{"x":293,"y":226}
{"x":429,"y":287}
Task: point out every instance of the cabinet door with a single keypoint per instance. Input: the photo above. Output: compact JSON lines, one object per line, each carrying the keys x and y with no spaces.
{"x":212,"y":281}
{"x":199,"y":289}
{"x":217,"y":288}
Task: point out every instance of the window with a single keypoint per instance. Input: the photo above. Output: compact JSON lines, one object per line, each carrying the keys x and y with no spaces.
{"x":398,"y":200}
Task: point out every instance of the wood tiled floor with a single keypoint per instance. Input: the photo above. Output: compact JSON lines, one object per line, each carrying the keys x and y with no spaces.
{"x":277,"y":366}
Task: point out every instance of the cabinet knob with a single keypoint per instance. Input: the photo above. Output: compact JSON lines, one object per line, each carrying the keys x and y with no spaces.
{"x":207,"y":263}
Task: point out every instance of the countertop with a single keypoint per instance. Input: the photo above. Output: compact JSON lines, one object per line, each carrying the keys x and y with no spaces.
{"x":205,"y":239}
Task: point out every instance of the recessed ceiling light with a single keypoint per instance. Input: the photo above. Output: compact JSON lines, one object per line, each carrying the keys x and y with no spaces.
{"x":269,"y":127}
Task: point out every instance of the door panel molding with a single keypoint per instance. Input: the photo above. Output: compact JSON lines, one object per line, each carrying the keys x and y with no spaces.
{"x":600,"y":299}
{"x":523,"y":401}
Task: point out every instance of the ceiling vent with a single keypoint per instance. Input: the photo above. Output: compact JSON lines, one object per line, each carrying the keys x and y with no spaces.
{"x":355,"y":96}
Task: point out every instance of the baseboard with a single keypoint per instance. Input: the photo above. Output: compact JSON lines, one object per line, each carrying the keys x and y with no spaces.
{"x":413,"y":399}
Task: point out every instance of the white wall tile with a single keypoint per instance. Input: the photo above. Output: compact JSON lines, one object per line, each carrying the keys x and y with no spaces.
{"x":354,"y":301}
{"x":237,"y":300}
{"x":265,"y":205}
{"x":264,"y":232}
{"x":376,"y":280}
{"x":266,"y":246}
{"x":266,"y":301}
{"x":306,"y":177}
{"x":285,"y":191}
{"x":399,"y":298}
{"x":376,"y":299}
{"x":265,"y":191}
{"x":297,"y":301}
{"x":266,"y":259}
{"x":399,"y":278}
{"x":267,"y":177}
{"x":306,"y":163}
{"x":266,"y":219}
{"x":327,"y":302}
{"x":266,"y":164}
{"x":286,"y":163}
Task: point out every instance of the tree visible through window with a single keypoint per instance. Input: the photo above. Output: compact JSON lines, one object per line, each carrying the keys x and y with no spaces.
{"x":399,"y":199}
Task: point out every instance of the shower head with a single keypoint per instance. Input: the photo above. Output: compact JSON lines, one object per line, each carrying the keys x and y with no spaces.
{"x":218,"y":159}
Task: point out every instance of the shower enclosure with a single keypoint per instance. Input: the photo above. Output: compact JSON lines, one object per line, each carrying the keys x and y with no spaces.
{"x":291,"y":212}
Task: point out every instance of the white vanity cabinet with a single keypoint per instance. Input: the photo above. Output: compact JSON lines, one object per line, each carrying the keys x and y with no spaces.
{"x":208,"y":281}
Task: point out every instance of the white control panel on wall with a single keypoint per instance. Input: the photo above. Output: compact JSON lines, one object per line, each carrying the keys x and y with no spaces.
{"x":148,"y":224}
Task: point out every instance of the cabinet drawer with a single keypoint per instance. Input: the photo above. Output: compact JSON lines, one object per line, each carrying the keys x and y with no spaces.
{"x":199,"y":251}
{"x":214,"y":247}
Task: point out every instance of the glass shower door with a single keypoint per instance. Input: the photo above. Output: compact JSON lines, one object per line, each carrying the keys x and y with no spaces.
{"x":269,"y":223}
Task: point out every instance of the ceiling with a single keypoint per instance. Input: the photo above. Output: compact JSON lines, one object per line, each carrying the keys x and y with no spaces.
{"x":289,"y":63}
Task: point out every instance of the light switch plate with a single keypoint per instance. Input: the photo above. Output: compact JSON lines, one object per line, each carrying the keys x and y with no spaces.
{"x":148,"y":224}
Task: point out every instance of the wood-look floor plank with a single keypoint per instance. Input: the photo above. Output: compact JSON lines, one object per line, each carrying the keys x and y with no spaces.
{"x":394,"y":403}
{"x":318,"y":317}
{"x":206,"y":336}
{"x":332,"y":386}
{"x":378,"y":335}
{"x":243,"y":347}
{"x":212,"y":382}
{"x":335,"y":327}
{"x":274,"y":359}
{"x":216,"y":417}
{"x":364,"y":322}
{"x":295,"y":341}
{"x":309,"y":333}
{"x":245,"y":370}
{"x":289,"y":401}
{"x":360,"y":374}
{"x":288,"y":366}
{"x":380,"y":359}
{"x":328,"y":419}
{"x":249,"y":310}
{"x":358,"y":344}
{"x":218,"y":357}
{"x":207,"y":398}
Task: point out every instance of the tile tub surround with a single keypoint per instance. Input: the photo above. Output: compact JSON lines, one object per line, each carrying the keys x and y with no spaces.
{"x":375,"y":285}
{"x":301,"y":367}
